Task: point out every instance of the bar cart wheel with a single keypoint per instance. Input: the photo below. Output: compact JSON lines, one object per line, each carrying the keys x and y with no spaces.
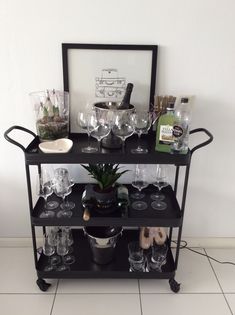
{"x":43,"y":285}
{"x":174,"y":285}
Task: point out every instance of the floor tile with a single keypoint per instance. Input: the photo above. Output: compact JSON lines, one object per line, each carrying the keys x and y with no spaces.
{"x":231,"y":301}
{"x":194,"y":273}
{"x":97,"y":304}
{"x":17,"y":272}
{"x":184,"y":304}
{"x":98,"y":286}
{"x":36,"y":304}
{"x":225,"y":273}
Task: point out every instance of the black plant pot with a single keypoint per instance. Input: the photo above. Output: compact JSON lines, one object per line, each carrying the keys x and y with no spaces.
{"x":105,"y":199}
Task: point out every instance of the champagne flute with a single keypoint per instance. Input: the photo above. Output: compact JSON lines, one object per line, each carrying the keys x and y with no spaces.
{"x":52,"y":240}
{"x":62,"y":249}
{"x":142,"y":124}
{"x":87,"y":121}
{"x":48,"y":250}
{"x":140,"y":183}
{"x":123,"y":126}
{"x":161,"y":181}
{"x":68,"y":259}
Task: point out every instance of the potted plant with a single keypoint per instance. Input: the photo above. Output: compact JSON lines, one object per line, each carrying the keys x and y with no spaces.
{"x":106,"y":176}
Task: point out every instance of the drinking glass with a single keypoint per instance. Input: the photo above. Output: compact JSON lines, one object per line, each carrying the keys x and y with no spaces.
{"x":123,"y":126}
{"x":69,"y":182}
{"x":136,"y":257}
{"x":87,"y":121}
{"x":140,"y":183}
{"x":142,"y":124}
{"x":62,"y":249}
{"x":62,"y":188}
{"x":101,"y":130}
{"x":161,"y":180}
{"x":48,"y":250}
{"x":158,"y":257}
{"x":44,"y":190}
{"x":52,"y":233}
{"x":67,"y":231}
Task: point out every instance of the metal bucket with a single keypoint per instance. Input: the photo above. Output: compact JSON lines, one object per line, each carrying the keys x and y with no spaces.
{"x":102,"y":242}
{"x":105,"y":111}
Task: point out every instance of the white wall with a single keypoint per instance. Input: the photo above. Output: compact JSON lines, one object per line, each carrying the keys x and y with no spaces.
{"x":196,"y":41}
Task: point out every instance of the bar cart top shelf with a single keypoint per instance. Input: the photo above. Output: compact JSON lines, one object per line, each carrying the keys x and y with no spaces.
{"x":34,"y":156}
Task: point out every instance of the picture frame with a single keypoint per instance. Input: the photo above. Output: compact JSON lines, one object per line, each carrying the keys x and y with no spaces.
{"x":100,"y":72}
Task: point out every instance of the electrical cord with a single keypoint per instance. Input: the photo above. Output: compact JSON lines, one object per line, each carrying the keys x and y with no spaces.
{"x":209,"y":257}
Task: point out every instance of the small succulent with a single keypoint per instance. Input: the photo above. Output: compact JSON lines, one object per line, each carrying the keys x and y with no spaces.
{"x":105,"y":174}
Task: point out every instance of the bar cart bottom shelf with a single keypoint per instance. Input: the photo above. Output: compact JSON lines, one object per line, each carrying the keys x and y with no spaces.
{"x":84,"y":267}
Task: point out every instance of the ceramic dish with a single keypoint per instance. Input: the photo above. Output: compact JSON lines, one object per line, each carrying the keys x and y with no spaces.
{"x":56,"y":146}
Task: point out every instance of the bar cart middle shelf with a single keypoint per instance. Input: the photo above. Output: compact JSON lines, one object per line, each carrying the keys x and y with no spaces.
{"x":130,"y":220}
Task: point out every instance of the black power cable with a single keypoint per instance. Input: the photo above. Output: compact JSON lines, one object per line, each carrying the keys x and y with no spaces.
{"x":212,"y":258}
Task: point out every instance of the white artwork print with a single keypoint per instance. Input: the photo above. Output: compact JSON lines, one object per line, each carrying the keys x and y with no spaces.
{"x":97,"y":75}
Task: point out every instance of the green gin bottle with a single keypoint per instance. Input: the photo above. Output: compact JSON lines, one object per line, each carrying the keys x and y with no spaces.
{"x":164,"y":136}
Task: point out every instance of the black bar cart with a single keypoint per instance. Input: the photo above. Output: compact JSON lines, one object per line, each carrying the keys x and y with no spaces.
{"x":172,"y":218}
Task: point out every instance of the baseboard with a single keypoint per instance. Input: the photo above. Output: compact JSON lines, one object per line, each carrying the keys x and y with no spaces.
{"x":205,"y":242}
{"x":210,"y":242}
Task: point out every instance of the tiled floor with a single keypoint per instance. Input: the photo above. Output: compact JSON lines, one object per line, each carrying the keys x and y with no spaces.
{"x":206,"y":288}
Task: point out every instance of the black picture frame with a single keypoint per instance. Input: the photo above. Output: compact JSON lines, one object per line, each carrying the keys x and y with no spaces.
{"x":74,"y":69}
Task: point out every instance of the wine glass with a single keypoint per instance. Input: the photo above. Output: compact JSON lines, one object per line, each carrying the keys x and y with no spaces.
{"x":62,"y":249}
{"x":140,"y":183}
{"x":68,"y":181}
{"x":48,"y":250}
{"x":67,"y":231}
{"x":142,"y":124}
{"x":62,"y":188}
{"x":44,"y":190}
{"x":87,"y":121}
{"x":101,"y":130}
{"x":123,"y":126}
{"x":161,"y":181}
{"x":52,"y":240}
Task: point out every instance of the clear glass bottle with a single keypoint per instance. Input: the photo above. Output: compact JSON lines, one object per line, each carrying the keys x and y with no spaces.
{"x":182,"y":119}
{"x":164,"y":137}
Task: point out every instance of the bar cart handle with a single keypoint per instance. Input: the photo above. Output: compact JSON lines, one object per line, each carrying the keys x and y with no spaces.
{"x":6,"y":136}
{"x":203,"y":143}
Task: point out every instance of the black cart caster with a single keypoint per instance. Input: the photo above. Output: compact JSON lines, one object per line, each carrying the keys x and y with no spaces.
{"x":43,"y":285}
{"x":174,"y":285}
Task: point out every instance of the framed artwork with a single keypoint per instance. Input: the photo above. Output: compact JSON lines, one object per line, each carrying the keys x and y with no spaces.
{"x":98,"y":72}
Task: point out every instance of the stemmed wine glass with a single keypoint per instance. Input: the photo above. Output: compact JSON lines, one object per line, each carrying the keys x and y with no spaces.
{"x":68,"y":259}
{"x":161,"y":181}
{"x":101,"y":130}
{"x":123,"y":126}
{"x":48,"y":250}
{"x":52,"y":240}
{"x":62,"y":188}
{"x":142,"y":124}
{"x":87,"y":121}
{"x":140,"y":183}
{"x":62,"y":249}
{"x":67,"y":182}
{"x":44,"y":190}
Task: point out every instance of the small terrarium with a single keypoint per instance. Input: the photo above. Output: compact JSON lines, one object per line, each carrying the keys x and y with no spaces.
{"x":52,"y":114}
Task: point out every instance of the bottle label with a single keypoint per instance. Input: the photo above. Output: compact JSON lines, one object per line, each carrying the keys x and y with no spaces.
{"x":166,"y":134}
{"x":177,"y":131}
